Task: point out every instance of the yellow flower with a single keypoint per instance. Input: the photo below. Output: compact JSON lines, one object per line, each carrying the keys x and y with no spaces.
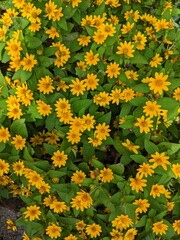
{"x":10,"y":225}
{"x":170,"y":206}
{"x":176,"y":170}
{"x":18,"y":3}
{"x":145,"y":124}
{"x":88,"y":122}
{"x":145,"y":170}
{"x":14,"y":111}
{"x":84,"y":40}
{"x":58,"y":207}
{"x":43,"y":108}
{"x":78,"y":177}
{"x":15,"y":63}
{"x":82,"y":200}
{"x":52,"y":32}
{"x":141,"y":40}
{"x":156,"y":190}
{"x":75,"y":3}
{"x":81,"y":65}
{"x":28,"y":62}
{"x":137,"y":183}
{"x":108,"y":29}
{"x":45,"y":85}
{"x":53,"y":231}
{"x":77,"y":87}
{"x":142,"y":205}
{"x":73,"y":136}
{"x":34,"y":15}
{"x":116,"y":96}
{"x":130,"y":146}
{"x":91,"y":58}
{"x":102,"y":99}
{"x":126,"y":49}
{"x":4,"y":134}
{"x":176,"y":226}
{"x":176,"y":94}
{"x":156,"y":60}
{"x":122,"y":222}
{"x":159,"y":83}
{"x":95,"y":141}
{"x":102,"y":131}
{"x":34,"y":178}
{"x":130,"y":234}
{"x":93,"y":230}
{"x":3,"y":32}
{"x":18,"y":168}
{"x":24,"y":94}
{"x":18,"y":142}
{"x":113,"y":70}
{"x":106,"y":175}
{"x":50,"y":9}
{"x":52,"y":138}
{"x":127,"y":27}
{"x":159,"y":228}
{"x":4,"y":167}
{"x":13,"y":47}
{"x":59,"y":158}
{"x":62,"y":105}
{"x":151,"y":109}
{"x":116,"y":235}
{"x":159,"y":159}
{"x":62,"y":85}
{"x":91,"y":81}
{"x":34,"y":27}
{"x":113,"y":4}
{"x":80,"y":225}
{"x":130,"y":74}
{"x":127,"y":94}
{"x":99,"y":36}
{"x":161,"y":24}
{"x":32,"y":212}
{"x":88,"y":20}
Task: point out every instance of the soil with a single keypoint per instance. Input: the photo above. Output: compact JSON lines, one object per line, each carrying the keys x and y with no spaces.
{"x":10,"y":208}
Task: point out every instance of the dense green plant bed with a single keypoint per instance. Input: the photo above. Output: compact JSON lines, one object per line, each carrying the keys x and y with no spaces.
{"x":89,"y":118}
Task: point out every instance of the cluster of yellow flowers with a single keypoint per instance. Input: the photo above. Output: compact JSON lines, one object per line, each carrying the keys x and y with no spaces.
{"x":89,"y":116}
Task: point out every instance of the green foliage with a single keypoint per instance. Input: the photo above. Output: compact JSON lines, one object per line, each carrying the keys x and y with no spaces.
{"x":89,"y":117}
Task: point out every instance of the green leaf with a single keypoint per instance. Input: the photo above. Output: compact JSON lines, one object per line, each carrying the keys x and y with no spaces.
{"x":129,"y":122}
{"x":117,"y":168}
{"x":2,"y":45}
{"x":88,"y":151}
{"x":27,"y":155}
{"x":105,"y":118}
{"x":97,"y":164}
{"x":50,"y":51}
{"x":79,"y":104}
{"x":138,"y":158}
{"x":142,"y":87}
{"x":138,"y":101}
{"x":22,"y":75}
{"x":57,"y":173}
{"x":33,"y":42}
{"x":45,"y":61}
{"x":167,"y":103}
{"x":141,"y":222}
{"x":2,"y":146}
{"x":34,"y":112}
{"x":150,"y":147}
{"x":50,"y":149}
{"x":138,"y":59}
{"x":118,"y":145}
{"x":18,"y":127}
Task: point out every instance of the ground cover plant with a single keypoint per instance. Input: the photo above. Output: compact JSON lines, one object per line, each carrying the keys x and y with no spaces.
{"x":89,"y":118}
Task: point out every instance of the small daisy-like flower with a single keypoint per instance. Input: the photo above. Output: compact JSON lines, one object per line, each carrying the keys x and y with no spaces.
{"x":19,"y":142}
{"x":113,"y":70}
{"x":28,"y":62}
{"x":159,"y":228}
{"x":106,"y":175}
